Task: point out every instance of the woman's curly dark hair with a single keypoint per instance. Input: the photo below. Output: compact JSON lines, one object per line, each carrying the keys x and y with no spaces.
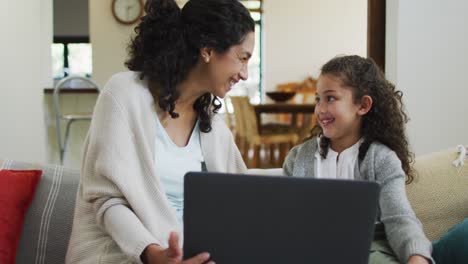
{"x":168,"y":42}
{"x":385,"y":122}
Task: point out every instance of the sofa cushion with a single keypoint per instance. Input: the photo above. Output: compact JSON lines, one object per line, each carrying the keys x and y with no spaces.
{"x":48,"y":222}
{"x":439,"y":194}
{"x":16,"y":193}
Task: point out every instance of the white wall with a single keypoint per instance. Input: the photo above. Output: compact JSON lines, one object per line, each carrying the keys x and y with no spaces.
{"x":25,"y":64}
{"x":428,"y":62}
{"x":109,"y":40}
{"x":302,"y":35}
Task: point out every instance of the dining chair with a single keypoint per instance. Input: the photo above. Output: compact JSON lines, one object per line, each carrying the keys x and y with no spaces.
{"x":228,"y":114}
{"x":238,"y":124}
{"x":68,"y":118}
{"x":247,"y":126}
{"x":305,"y":94}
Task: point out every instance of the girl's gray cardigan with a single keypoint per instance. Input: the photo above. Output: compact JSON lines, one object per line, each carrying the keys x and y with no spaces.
{"x":380,"y":164}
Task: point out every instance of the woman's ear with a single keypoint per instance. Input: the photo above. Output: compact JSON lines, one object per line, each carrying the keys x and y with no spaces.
{"x":206,"y":54}
{"x":366,"y":105}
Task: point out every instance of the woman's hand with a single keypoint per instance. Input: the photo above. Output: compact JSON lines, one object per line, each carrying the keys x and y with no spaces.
{"x":154,"y":254}
{"x":416,"y":259}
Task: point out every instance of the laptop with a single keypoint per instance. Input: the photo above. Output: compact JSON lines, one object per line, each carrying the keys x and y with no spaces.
{"x":270,"y":219}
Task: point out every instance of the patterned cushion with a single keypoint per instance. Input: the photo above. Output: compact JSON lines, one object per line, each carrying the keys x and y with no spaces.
{"x":439,"y":194}
{"x":48,"y":222}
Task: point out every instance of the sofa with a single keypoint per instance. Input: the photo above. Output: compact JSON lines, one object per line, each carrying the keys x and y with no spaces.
{"x":47,"y":224}
{"x":439,"y":196}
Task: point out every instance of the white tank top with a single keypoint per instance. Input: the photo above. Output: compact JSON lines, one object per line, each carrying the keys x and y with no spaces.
{"x":173,"y":162}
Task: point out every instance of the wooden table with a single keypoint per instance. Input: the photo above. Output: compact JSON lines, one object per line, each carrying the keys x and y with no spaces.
{"x":283,"y":108}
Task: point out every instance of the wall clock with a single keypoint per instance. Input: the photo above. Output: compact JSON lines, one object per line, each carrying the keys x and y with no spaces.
{"x":127,"y":11}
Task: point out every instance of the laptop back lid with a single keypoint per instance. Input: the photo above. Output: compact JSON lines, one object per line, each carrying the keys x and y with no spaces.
{"x":270,"y":219}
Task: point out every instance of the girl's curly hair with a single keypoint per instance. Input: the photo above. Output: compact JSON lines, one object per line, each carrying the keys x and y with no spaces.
{"x":168,"y":42}
{"x":385,"y":122}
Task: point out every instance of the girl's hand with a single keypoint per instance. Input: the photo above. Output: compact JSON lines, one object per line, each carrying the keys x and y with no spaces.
{"x":416,"y":259}
{"x":154,"y":254}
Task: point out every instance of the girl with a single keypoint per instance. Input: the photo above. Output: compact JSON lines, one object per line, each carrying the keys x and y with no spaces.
{"x":362,"y":137}
{"x":154,"y":123}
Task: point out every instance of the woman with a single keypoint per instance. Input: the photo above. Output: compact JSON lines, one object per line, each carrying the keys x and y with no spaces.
{"x":153,"y":124}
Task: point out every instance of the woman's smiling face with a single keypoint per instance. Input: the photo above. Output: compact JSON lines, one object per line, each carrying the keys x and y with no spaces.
{"x":228,"y":68}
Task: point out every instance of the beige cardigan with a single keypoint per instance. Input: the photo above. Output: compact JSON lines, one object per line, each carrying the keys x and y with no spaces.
{"x":121,"y":206}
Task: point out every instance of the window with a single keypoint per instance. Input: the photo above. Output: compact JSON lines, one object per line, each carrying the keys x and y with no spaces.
{"x":252,"y":87}
{"x":71,"y":56}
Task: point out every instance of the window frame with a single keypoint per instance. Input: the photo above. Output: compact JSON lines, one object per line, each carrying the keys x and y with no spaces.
{"x":65,"y":40}
{"x":260,"y":26}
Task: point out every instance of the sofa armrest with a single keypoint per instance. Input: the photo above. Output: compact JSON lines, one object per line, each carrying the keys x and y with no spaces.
{"x":48,"y":223}
{"x":439,"y":193}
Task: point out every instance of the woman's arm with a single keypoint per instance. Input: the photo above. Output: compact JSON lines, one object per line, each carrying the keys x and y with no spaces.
{"x":220,"y":151}
{"x":154,"y":254}
{"x":107,"y":177}
{"x":127,"y":230}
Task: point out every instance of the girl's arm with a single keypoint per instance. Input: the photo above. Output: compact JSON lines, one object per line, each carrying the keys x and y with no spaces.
{"x":403,"y":229}
{"x":290,"y":160}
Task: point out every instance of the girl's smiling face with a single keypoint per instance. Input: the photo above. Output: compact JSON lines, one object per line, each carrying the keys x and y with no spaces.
{"x":338,"y":113}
